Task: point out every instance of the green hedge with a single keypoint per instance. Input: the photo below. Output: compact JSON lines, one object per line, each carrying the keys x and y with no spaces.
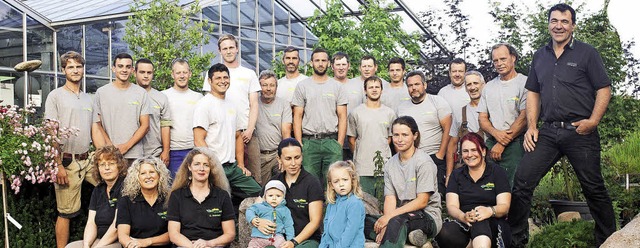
{"x":578,"y":233}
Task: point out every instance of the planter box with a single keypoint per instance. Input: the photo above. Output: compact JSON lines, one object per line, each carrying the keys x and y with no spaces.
{"x":561,"y":206}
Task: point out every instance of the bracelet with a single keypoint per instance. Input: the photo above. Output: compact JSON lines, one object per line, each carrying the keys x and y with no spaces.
{"x":295,"y":243}
{"x":493,"y":209}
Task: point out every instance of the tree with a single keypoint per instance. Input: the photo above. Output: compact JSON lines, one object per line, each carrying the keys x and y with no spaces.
{"x":162,"y":30}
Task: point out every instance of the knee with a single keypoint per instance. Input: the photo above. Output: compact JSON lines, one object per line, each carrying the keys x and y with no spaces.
{"x":482,"y":241}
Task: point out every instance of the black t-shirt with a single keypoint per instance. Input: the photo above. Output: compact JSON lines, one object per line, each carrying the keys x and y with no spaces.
{"x":306,"y":189}
{"x":568,"y":84}
{"x":493,"y":182}
{"x":105,"y":205}
{"x":145,"y":221}
{"x":200,"y":220}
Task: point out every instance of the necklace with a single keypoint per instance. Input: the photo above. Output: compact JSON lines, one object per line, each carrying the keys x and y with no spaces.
{"x":77,"y":94}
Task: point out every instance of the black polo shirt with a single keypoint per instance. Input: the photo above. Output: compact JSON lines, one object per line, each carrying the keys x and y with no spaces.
{"x":568,"y":84}
{"x":493,"y":182}
{"x":200,"y":220}
{"x":145,"y":221}
{"x":105,"y":205}
{"x":306,"y":189}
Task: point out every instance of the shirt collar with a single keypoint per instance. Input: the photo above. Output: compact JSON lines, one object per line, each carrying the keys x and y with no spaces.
{"x":188,"y":193}
{"x":488,"y":170}
{"x":569,"y":45}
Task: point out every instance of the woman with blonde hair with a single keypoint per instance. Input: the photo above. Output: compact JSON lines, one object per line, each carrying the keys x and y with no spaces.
{"x":200,"y":211}
{"x":142,"y":212}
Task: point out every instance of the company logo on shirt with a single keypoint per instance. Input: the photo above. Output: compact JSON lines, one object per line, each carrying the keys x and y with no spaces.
{"x":413,"y":179}
{"x":300,"y":203}
{"x":231,"y":111}
{"x":515,"y":99}
{"x":488,"y":186}
{"x":88,"y":109}
{"x":156,"y":107}
{"x":135,"y":103}
{"x":572,"y":64}
{"x":214,"y":212}
{"x":276,"y":115}
{"x":329,"y":95}
{"x":191,"y":102}
{"x":163,"y":215}
{"x":113,"y":202}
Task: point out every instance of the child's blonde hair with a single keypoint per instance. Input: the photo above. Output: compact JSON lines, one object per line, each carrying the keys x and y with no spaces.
{"x":355,"y":180}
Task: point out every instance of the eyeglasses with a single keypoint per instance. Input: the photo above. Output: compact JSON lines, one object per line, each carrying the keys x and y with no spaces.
{"x":107,"y":164}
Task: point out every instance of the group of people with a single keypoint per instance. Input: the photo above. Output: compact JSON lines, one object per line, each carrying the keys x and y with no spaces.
{"x":172,"y":167}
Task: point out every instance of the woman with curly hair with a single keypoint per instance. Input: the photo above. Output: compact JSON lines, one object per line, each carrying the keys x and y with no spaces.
{"x":100,"y":230}
{"x":200,"y":211}
{"x":142,"y":212}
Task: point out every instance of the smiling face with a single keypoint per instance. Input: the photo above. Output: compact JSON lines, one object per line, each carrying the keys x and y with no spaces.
{"x":144,"y":75}
{"x":148,"y":177}
{"x":403,"y":138}
{"x":291,"y":61}
{"x":472,"y":155}
{"x":474,"y":86}
{"x":291,"y":160}
{"x":456,"y":73}
{"x":181,"y":73}
{"x":341,"y":181}
{"x":561,"y":26}
{"x":73,"y":71}
{"x":200,"y":168}
{"x":273,"y":196}
{"x":340,"y":68}
{"x":122,"y":69}
{"x":219,"y":83}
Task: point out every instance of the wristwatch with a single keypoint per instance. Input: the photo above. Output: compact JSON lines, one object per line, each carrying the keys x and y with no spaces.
{"x":295,"y":243}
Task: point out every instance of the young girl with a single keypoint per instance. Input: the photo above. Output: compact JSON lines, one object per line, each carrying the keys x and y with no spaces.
{"x":344,"y":218}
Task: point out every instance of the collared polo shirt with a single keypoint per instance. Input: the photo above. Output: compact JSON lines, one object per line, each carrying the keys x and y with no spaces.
{"x":483,"y":192}
{"x":105,"y":205}
{"x":200,"y":220}
{"x":568,"y":84}
{"x":145,"y":220}
{"x":304,"y":190}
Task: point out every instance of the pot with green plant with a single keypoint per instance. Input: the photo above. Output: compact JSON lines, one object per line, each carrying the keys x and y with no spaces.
{"x":572,"y":192}
{"x":625,"y":157}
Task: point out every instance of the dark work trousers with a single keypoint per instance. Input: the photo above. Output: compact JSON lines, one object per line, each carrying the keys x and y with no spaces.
{"x":441,"y":164}
{"x":583,"y":152}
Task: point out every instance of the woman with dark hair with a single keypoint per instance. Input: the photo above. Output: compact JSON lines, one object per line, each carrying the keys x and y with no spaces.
{"x":304,"y":198}
{"x":478,"y":200}
{"x":142,"y":212}
{"x":412,"y":201}
{"x":200,"y":211}
{"x":100,"y":230}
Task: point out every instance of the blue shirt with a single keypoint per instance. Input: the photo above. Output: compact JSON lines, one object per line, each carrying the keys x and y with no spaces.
{"x":283,"y":219}
{"x":344,"y":223}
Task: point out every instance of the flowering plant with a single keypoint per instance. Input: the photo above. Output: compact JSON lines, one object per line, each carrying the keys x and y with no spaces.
{"x":28,"y":151}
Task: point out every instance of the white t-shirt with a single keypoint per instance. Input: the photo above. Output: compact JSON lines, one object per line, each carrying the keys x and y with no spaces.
{"x":181,"y":105}
{"x":243,"y":82}
{"x":218,"y":117}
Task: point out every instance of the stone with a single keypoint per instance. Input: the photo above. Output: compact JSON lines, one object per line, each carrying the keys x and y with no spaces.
{"x":244,"y":228}
{"x":533,"y":228}
{"x":569,"y":216}
{"x":628,"y":236}
{"x":28,"y":66}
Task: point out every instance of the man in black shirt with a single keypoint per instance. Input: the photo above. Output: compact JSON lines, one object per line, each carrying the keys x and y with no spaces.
{"x":568,"y":79}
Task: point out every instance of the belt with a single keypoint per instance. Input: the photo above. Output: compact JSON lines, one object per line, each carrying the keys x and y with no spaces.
{"x":320,"y":136}
{"x":561,"y":124}
{"x":81,"y":156}
{"x":268,"y":151}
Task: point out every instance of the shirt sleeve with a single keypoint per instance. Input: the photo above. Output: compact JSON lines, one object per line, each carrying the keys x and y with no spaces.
{"x":452,"y":187}
{"x":426,"y":179}
{"x":315,"y":190}
{"x":455,"y":126}
{"x":124,"y":217}
{"x":532,"y":79}
{"x":443,"y":108}
{"x":501,"y":180}
{"x":388,"y":185}
{"x":201,"y":116}
{"x":251,"y":212}
{"x":523,"y":99}
{"x":596,"y":71}
{"x":145,"y":109}
{"x":342,"y":95}
{"x":227,"y":207}
{"x":298,"y":96}
{"x":173,"y":208}
{"x":254,"y":83}
{"x":93,"y":203}
{"x":51,"y":107}
{"x":165,"y":113}
{"x":96,"y":107}
{"x":482,"y":105}
{"x":352,"y":125}
{"x":287,"y":115}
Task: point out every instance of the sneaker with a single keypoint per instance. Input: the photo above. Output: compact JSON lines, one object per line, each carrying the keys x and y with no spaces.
{"x":417,"y":238}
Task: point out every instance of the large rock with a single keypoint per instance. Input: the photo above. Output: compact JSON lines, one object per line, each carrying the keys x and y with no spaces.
{"x":628,"y":236}
{"x":533,"y":228}
{"x":569,"y":216}
{"x":244,"y":228}
{"x":28,"y":66}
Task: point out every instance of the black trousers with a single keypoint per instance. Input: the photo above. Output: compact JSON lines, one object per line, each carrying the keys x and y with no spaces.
{"x":441,"y":165}
{"x":583,"y":152}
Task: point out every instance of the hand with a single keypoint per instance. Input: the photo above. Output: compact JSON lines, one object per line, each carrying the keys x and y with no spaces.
{"x":381,"y":223}
{"x":200,"y":243}
{"x":287,"y":244}
{"x":124,"y":148}
{"x":246,"y":135}
{"x":530,"y":139}
{"x":482,"y":213}
{"x":341,"y":142}
{"x":440,"y":155}
{"x":496,"y":152}
{"x":380,"y":235}
{"x":585,"y":126}
{"x":245,"y":171}
{"x":164,"y":156}
{"x":446,"y":180}
{"x":264,"y":226}
{"x":503,"y":136}
{"x":61,"y":177}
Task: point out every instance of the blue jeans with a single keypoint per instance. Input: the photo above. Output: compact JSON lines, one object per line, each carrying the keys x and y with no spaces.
{"x":175,"y":160}
{"x":583,"y":152}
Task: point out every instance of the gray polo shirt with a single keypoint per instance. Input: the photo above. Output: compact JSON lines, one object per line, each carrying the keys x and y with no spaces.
{"x":503,"y":100}
{"x":320,"y":101}
{"x":472,"y":121}
{"x":392,"y":97}
{"x":269,"y":124}
{"x":372,"y":129}
{"x":427,"y":114}
{"x":456,"y":98}
{"x":71,"y":110}
{"x":416,"y":175}
{"x":120,"y":112}
{"x":152,"y":142}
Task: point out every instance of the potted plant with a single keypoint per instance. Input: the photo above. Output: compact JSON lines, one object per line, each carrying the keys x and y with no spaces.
{"x":571,"y":190}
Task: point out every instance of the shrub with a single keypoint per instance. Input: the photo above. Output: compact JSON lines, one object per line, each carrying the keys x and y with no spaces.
{"x":578,"y":233}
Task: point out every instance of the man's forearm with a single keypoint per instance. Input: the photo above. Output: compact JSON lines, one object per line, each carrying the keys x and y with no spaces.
{"x":603,"y":96}
{"x":519,"y":124}
{"x":532,"y":109}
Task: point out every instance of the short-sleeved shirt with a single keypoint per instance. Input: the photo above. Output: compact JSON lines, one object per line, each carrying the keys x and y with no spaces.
{"x":567,"y":85}
{"x":393,"y":96}
{"x":152,"y":141}
{"x":472,"y":121}
{"x":144,"y":220}
{"x":105,"y":205}
{"x":427,"y":114}
{"x":407,"y":179}
{"x":200,"y":220}
{"x":120,"y":111}
{"x":483,"y":192}
{"x":372,"y":129}
{"x":181,"y":105}
{"x":304,"y":190}
{"x":218,"y":117}
{"x":456,"y":98}
{"x":503,"y":100}
{"x":269,"y":125}
{"x":354,"y":90}
{"x":244,"y":81}
{"x":286,"y":87}
{"x":71,"y":110}
{"x":320,"y":101}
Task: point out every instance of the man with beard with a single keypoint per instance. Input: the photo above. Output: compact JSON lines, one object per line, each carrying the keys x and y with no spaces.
{"x":320,"y":117}
{"x":123,"y":110}
{"x":340,"y":66}
{"x":502,"y":110}
{"x":182,"y":103}
{"x":474,"y":83}
{"x":433,"y":116}
{"x":156,"y":142}
{"x":370,"y":131}
{"x":287,"y":84}
{"x":396,"y":92}
{"x":454,"y":93}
